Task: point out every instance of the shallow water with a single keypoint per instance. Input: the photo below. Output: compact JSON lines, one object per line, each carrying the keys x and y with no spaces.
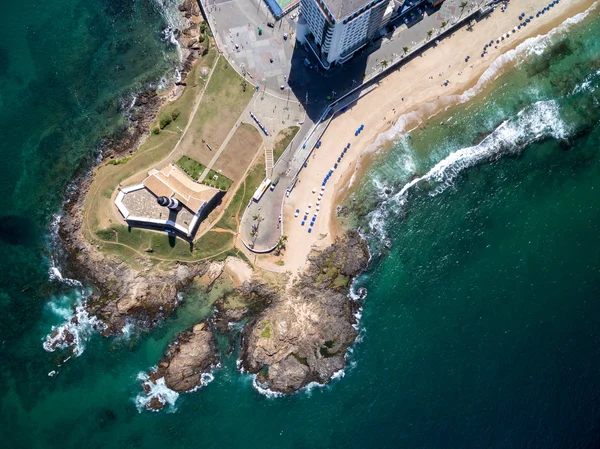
{"x":481,"y":326}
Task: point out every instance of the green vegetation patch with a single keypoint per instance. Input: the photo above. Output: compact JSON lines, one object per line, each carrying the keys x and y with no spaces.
{"x":217,"y":180}
{"x":241,"y":197}
{"x":120,"y":161}
{"x":190,"y":166}
{"x":284,"y":138}
{"x":266,"y":332}
{"x":194,"y":170}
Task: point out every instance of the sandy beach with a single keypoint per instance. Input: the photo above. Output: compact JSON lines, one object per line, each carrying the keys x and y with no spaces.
{"x":403,"y":99}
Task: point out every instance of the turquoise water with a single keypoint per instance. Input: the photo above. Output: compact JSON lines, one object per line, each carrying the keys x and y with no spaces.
{"x":481,"y":326}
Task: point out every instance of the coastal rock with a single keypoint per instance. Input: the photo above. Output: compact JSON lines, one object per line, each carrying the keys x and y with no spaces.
{"x":249,"y":299}
{"x":144,"y":295}
{"x":304,"y":337}
{"x":190,"y":356}
{"x":191,"y":7}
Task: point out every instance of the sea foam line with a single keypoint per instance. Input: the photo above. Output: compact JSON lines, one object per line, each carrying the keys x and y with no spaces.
{"x":155,"y":390}
{"x":538,"y":121}
{"x":533,"y":45}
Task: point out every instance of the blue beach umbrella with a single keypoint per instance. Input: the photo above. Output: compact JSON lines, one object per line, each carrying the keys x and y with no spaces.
{"x":302,"y":224}
{"x":309,"y":230}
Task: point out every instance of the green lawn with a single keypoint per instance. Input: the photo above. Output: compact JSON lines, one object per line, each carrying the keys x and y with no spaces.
{"x":241,"y":197}
{"x":162,"y":245}
{"x":192,"y":167}
{"x":217,"y":180}
{"x":286,"y":137}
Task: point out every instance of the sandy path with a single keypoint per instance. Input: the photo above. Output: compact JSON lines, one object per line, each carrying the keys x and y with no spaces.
{"x":415,"y":88}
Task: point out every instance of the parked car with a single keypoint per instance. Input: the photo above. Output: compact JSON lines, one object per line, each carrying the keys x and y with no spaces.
{"x":285,"y":36}
{"x":270,"y":24}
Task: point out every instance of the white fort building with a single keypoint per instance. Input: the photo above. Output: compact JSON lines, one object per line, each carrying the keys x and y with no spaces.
{"x":336,"y":29}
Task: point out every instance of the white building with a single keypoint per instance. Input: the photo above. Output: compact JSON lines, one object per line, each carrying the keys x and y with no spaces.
{"x":336,"y":29}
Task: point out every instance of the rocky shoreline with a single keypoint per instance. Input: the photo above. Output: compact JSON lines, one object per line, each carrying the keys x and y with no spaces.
{"x":291,"y":336}
{"x":304,"y":336}
{"x":123,"y":293}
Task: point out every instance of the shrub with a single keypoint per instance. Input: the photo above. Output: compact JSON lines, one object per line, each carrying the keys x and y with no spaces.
{"x":164,"y":121}
{"x":175,"y":114}
{"x":156,"y":130}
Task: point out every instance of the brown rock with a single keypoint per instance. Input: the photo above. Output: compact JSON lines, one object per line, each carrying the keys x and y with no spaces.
{"x":192,"y":354}
{"x":304,"y":337}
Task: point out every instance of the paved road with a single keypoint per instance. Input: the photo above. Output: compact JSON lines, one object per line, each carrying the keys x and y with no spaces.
{"x":320,"y":84}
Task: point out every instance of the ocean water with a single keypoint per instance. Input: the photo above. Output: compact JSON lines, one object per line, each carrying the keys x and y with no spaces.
{"x":481,"y":325}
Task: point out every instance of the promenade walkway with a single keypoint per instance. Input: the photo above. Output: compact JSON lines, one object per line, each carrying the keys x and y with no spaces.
{"x":270,"y":225}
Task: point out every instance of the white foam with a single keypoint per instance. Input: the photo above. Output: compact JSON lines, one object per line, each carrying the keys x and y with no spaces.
{"x":540,"y":120}
{"x":158,"y":390}
{"x":532,"y":46}
{"x":262,"y":389}
{"x":168,"y":9}
{"x":78,"y":323}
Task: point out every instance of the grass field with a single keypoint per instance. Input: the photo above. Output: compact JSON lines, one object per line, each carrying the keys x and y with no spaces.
{"x":224,"y":100}
{"x":242,"y":196}
{"x":222,"y":103}
{"x":194,"y":169}
{"x":239,"y":152}
{"x":282,"y":141}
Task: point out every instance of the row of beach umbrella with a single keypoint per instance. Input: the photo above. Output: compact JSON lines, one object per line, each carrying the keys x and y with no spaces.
{"x":524,"y":21}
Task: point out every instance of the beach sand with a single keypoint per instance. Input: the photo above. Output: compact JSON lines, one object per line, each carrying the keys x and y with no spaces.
{"x":403,"y":99}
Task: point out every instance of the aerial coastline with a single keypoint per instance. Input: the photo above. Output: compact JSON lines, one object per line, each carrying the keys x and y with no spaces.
{"x":320,"y":264}
{"x":403,"y":100}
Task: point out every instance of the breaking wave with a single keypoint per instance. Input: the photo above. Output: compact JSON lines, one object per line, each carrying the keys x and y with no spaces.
{"x":155,"y":390}
{"x":530,"y":47}
{"x":77,"y":327}
{"x":540,"y":120}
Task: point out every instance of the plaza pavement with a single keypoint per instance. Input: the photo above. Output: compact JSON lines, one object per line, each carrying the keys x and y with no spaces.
{"x":237,"y":22}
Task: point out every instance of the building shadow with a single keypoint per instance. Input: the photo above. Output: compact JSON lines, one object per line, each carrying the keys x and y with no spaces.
{"x":315,"y":87}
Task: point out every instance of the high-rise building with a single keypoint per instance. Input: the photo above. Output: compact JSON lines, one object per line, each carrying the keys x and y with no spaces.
{"x":336,"y":29}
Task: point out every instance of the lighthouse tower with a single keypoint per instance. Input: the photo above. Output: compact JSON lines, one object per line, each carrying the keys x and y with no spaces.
{"x":171,"y":203}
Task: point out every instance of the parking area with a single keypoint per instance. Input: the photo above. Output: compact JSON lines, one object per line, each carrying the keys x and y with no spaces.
{"x":258,"y":45}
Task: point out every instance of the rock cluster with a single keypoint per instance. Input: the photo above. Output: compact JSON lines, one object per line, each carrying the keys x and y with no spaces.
{"x":190,"y":356}
{"x":304,"y":337}
{"x":145,"y":295}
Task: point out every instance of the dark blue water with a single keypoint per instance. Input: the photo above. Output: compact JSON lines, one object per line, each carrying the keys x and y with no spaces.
{"x":481,"y":326}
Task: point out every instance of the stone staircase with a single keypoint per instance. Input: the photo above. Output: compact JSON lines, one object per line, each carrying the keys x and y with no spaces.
{"x":269,"y":162}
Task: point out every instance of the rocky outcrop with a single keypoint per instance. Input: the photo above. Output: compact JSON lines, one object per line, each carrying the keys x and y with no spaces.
{"x":145,"y":295}
{"x":304,"y":337}
{"x":190,"y":356}
{"x":185,"y":367}
{"x":249,"y":299}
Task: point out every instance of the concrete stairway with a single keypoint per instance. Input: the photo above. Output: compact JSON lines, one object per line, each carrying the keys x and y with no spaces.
{"x":269,"y":162}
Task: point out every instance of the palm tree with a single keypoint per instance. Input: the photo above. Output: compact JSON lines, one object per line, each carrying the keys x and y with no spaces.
{"x":444,"y":24}
{"x":256,"y":217}
{"x":463,"y":5}
{"x":384,"y":63}
{"x":280,"y":244}
{"x":429,"y":33}
{"x":405,"y":49}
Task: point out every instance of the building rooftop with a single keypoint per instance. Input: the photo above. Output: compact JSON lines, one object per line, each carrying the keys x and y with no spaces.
{"x":343,"y":8}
